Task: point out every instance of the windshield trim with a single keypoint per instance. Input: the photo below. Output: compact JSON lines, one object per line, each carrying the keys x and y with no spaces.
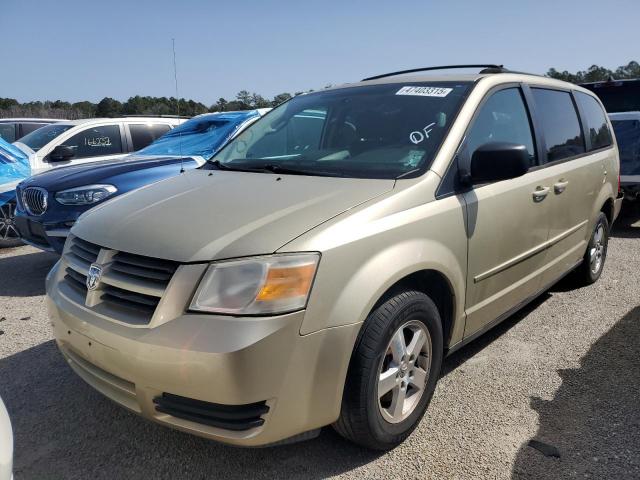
{"x":418,"y":172}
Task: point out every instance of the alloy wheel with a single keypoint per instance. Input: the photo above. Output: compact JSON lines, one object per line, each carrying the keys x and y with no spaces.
{"x":8,"y":230}
{"x":404,"y":371}
{"x":596,"y":254}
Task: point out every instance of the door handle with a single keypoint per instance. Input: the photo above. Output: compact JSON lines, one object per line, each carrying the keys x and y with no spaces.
{"x":560,"y":186}
{"x":540,"y":193}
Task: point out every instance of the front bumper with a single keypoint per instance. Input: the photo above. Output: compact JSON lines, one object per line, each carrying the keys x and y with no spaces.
{"x":226,"y":361}
{"x":49,"y":237}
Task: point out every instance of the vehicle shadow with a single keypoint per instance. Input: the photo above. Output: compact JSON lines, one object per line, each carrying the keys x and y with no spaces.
{"x":23,"y":275}
{"x":627,"y":225}
{"x":65,"y":429}
{"x":594,"y":419}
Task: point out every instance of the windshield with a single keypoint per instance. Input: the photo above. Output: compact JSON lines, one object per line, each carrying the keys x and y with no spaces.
{"x":201,"y":136}
{"x":374,"y":131}
{"x":40,"y":137}
{"x":628,"y":137}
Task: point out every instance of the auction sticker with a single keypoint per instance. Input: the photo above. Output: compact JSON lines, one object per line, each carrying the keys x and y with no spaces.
{"x":425,"y":91}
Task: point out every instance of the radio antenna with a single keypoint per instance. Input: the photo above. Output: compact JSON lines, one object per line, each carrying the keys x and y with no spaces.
{"x":175,"y":79}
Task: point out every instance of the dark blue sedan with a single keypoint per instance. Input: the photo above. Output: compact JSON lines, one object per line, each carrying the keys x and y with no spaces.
{"x":48,"y":204}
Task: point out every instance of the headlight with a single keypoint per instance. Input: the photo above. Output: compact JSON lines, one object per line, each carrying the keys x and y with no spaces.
{"x":257,"y":286}
{"x":85,"y":195}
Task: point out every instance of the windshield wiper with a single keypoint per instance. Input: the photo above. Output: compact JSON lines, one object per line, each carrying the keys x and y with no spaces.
{"x":274,"y":168}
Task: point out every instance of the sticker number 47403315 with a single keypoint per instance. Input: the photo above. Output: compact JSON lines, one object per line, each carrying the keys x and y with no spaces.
{"x":425,"y":91}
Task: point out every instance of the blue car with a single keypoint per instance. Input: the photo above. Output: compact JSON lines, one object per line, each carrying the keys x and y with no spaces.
{"x":14,"y":167}
{"x":48,"y":204}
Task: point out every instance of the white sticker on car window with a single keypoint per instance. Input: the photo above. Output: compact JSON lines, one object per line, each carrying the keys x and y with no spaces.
{"x":425,"y":91}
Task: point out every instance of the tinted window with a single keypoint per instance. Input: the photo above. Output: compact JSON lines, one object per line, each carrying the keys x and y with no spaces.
{"x":596,"y":121}
{"x":502,"y":118}
{"x":40,"y":137}
{"x":27,"y":128}
{"x":96,"y":141}
{"x":8,"y":132}
{"x":143,"y":134}
{"x":620,"y":96}
{"x":628,"y":137}
{"x":371,"y":131}
{"x":560,"y":124}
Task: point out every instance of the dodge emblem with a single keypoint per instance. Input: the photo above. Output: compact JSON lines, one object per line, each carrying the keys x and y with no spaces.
{"x":93,"y":279}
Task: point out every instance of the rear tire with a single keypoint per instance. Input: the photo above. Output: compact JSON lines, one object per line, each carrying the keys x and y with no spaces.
{"x":393,"y":372}
{"x":592,"y":264}
{"x":9,"y":236}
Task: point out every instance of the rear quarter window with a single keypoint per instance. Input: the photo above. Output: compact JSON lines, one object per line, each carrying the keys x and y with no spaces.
{"x":144,"y":134}
{"x":560,"y":125}
{"x":595,"y":119}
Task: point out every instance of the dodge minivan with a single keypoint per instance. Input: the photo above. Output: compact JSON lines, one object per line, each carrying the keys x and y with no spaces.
{"x":320,"y":266}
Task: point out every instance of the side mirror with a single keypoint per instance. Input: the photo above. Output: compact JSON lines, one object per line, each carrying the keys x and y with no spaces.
{"x":62,"y":153}
{"x":497,"y":161}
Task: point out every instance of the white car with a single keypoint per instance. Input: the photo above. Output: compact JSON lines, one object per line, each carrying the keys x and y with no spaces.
{"x":6,"y":444}
{"x":91,"y":140}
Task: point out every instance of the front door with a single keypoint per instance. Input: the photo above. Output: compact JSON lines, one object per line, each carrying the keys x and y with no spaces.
{"x":507,"y":221}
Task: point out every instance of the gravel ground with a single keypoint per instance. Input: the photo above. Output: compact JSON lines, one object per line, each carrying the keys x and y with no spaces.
{"x":565,"y":372}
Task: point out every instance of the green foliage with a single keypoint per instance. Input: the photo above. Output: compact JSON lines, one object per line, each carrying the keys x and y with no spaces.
{"x":596,"y":73}
{"x":138,"y":105}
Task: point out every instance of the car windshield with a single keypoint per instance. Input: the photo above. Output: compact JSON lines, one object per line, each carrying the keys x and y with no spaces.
{"x":201,"y":136}
{"x":40,"y":137}
{"x":373,"y":131}
{"x":628,"y":138}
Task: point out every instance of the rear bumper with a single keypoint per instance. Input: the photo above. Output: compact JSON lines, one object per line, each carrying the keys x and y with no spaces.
{"x":260,"y":371}
{"x":617,"y":206}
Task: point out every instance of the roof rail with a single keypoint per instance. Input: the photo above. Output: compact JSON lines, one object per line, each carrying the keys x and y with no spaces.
{"x":487,"y":68}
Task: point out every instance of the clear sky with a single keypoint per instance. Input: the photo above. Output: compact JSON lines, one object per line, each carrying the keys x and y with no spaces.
{"x":85,"y":50}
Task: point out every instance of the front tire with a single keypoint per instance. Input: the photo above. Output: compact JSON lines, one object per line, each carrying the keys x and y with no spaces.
{"x":393,"y":372}
{"x":9,"y":236}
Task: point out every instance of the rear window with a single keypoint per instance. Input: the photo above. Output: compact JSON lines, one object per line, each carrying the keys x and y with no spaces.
{"x":8,"y":132}
{"x":560,"y":124}
{"x":596,"y":121}
{"x":628,"y":137}
{"x":144,"y":134}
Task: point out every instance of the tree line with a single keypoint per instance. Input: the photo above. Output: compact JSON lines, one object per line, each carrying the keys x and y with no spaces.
{"x":244,"y":100}
{"x":138,"y":105}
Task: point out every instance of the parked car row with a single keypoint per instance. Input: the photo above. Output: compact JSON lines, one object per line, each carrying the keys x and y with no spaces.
{"x":79,"y":142}
{"x":319,"y":266}
{"x":51,"y":202}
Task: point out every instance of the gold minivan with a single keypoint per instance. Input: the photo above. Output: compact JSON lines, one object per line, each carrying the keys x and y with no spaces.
{"x":319,"y":268}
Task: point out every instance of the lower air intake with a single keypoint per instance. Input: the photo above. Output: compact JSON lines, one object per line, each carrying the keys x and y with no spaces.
{"x":227,"y":417}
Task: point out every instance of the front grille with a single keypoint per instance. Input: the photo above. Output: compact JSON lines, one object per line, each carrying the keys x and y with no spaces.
{"x":130,"y":286}
{"x":76,"y":280}
{"x":34,"y":200}
{"x":228,"y":417}
{"x":85,"y":252}
{"x":144,"y":304}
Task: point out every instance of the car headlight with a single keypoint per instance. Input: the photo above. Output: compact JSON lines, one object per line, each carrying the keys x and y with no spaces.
{"x":85,"y":195}
{"x":266,"y":285}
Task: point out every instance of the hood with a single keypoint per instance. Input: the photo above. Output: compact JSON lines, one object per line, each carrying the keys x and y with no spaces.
{"x":62,"y":178}
{"x":206,"y":215}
